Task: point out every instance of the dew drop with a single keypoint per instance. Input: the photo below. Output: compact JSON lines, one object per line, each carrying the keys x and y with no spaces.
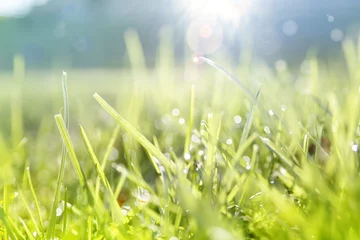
{"x":59,"y":211}
{"x":195,"y":138}
{"x":187,"y":156}
{"x":355,"y":147}
{"x":237,"y":119}
{"x":175,"y":112}
{"x":114,"y":154}
{"x":283,"y":171}
{"x":267,"y":129}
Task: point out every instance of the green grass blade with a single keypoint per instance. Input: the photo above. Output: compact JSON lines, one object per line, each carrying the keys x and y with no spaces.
{"x":3,"y":218}
{"x":60,"y":178}
{"x":100,"y":172}
{"x":65,"y":213}
{"x":232,"y":77}
{"x":17,"y":128}
{"x":27,"y":207}
{"x":288,"y":163}
{"x":106,"y":156}
{"x":66,"y":100}
{"x":70,"y":149}
{"x":191,"y":122}
{"x":94,"y":159}
{"x":89,"y":228}
{"x":248,"y":123}
{"x":136,"y":134}
{"x":26,"y":228}
{"x":6,"y":206}
{"x":36,"y":202}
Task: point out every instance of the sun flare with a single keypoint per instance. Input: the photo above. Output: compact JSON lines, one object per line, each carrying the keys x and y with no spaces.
{"x":229,"y":10}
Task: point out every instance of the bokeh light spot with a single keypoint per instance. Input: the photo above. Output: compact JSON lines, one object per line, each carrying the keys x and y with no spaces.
{"x":290,"y":28}
{"x":336,"y":35}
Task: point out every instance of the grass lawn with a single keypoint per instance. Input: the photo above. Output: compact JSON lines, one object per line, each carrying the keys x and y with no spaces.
{"x":181,"y":152}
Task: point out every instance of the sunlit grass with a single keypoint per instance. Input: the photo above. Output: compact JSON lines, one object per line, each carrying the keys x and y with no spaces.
{"x":170,"y":153}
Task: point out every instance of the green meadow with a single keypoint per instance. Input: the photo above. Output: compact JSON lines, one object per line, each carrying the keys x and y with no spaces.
{"x":200,"y":150}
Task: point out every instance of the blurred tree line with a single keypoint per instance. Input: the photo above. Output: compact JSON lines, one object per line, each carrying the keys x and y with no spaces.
{"x":89,"y":33}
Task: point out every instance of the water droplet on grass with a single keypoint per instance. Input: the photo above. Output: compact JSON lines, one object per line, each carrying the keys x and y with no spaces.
{"x":187,"y":156}
{"x":59,"y":211}
{"x":267,"y":129}
{"x":355,"y":147}
{"x":229,"y":141}
{"x":143,"y":196}
{"x":237,"y":119}
{"x":195,"y":138}
{"x":175,"y":112}
{"x":114,"y":154}
{"x":283,"y":171}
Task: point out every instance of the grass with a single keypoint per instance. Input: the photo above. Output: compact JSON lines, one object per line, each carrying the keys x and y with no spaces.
{"x":181,"y":153}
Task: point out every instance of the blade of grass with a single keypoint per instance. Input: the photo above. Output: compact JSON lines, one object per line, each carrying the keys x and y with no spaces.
{"x":16,"y":230}
{"x":3,"y":218}
{"x":232,"y":77}
{"x":32,"y":190}
{"x":248,"y":123}
{"x":95,"y":161}
{"x":65,"y":212}
{"x":28,"y":209}
{"x":70,"y":149}
{"x":26,"y":228}
{"x":191,"y":122}
{"x":17,"y":131}
{"x":6,"y":206}
{"x":106,"y":156}
{"x":101,"y":173}
{"x":60,"y":178}
{"x":136,"y":134}
{"x":89,"y":228}
{"x":288,"y":164}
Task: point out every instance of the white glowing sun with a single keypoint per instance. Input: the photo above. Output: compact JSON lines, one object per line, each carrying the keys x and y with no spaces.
{"x":230,"y":10}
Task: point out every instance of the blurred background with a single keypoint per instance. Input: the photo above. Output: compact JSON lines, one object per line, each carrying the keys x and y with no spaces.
{"x":62,"y":34}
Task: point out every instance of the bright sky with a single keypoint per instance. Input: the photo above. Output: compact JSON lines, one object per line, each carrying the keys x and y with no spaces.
{"x":10,"y":8}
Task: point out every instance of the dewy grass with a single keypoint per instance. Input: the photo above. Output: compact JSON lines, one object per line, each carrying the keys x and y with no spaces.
{"x":51,"y":226}
{"x":180,"y":167}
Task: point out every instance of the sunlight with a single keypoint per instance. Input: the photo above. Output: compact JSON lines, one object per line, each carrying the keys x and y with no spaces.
{"x":229,"y":10}
{"x":18,"y":7}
